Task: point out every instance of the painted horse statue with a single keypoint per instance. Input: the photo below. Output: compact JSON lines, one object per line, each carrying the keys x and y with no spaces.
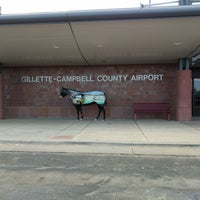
{"x":80,"y":99}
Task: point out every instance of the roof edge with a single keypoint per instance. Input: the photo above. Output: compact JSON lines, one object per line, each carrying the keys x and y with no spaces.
{"x":139,"y":13}
{"x":106,"y":14}
{"x":34,"y":18}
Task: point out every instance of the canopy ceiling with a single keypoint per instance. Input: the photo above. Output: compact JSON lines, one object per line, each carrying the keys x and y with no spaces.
{"x":51,"y":39}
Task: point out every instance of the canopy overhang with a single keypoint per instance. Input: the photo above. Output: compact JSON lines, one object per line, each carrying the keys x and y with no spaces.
{"x":100,"y":37}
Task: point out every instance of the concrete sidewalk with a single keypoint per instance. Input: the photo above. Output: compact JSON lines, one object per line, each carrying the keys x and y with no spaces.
{"x":124,"y":136}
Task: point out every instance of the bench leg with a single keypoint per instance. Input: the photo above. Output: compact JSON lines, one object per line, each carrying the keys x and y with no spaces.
{"x":135,"y":116}
{"x":168,"y":116}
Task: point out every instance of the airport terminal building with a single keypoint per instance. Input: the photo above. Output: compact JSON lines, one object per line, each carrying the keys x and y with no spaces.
{"x":148,"y":55}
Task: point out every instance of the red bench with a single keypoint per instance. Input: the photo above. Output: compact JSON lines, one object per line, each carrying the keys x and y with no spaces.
{"x":154,"y":108}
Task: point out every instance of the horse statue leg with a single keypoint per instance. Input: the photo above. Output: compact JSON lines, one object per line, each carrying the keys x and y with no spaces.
{"x":101,"y":108}
{"x":79,"y":111}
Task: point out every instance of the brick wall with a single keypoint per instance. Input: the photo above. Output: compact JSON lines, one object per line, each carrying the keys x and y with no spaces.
{"x":33,"y":91}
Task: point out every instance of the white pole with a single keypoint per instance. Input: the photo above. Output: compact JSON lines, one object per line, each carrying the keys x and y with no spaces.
{"x":149,"y":3}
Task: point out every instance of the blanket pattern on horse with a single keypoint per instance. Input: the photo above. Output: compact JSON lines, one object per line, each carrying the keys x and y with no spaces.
{"x":97,"y":97}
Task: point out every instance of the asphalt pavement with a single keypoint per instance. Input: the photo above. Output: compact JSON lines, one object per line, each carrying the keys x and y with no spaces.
{"x":112,"y":136}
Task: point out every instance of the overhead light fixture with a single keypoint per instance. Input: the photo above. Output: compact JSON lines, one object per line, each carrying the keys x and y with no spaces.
{"x":56,"y":47}
{"x":99,"y":45}
{"x":177,"y":43}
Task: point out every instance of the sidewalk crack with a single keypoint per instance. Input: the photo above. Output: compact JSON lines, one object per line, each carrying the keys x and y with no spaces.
{"x":141,"y":131}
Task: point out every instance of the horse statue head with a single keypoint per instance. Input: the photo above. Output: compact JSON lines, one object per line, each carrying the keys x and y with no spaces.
{"x":64,"y":92}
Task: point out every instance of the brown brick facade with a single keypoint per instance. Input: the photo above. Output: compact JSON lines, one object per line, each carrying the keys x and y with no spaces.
{"x":33,"y":91}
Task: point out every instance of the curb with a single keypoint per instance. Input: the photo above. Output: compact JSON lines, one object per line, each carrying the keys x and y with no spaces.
{"x":100,"y":143}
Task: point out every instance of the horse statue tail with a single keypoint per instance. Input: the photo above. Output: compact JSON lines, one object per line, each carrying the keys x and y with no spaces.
{"x":105,"y":103}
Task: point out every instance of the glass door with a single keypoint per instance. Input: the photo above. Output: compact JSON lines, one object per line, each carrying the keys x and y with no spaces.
{"x":196,"y":97}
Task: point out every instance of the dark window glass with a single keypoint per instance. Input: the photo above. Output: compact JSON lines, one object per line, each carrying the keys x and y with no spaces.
{"x":196,"y":96}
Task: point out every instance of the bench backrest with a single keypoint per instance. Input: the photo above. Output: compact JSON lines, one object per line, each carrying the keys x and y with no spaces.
{"x":151,"y":106}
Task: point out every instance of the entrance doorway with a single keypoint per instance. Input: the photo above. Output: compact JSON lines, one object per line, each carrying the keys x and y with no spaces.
{"x":196,"y":93}
{"x":196,"y":97}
